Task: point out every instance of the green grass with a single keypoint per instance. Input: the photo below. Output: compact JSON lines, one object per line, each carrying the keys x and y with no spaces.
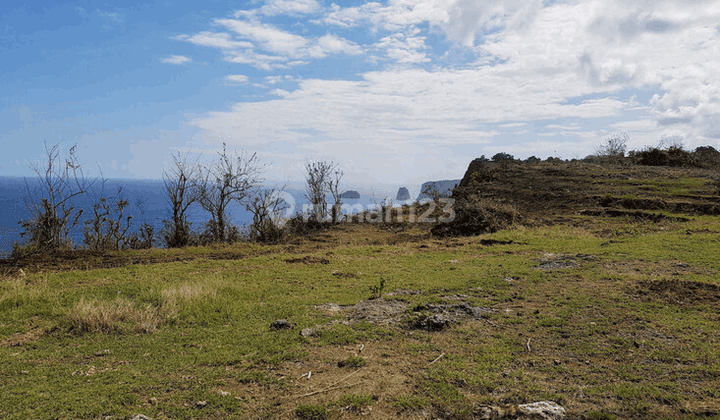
{"x":88,"y":344}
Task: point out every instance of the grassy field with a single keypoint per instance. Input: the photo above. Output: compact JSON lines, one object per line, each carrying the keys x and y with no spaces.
{"x":609,"y":317}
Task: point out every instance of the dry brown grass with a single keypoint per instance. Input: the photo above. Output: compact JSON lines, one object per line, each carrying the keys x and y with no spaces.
{"x":119,"y":316}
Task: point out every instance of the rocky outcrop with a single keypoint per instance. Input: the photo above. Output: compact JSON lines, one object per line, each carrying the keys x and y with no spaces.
{"x":444,"y":188}
{"x":350,"y":195}
{"x":403,"y":194}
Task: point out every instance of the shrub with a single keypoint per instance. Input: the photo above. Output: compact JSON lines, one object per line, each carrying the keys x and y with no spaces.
{"x":503,"y":157}
{"x":708,"y":157}
{"x":352,"y":361}
{"x":650,"y":157}
{"x":614,"y":148}
{"x":312,"y":412}
{"x":300,"y":225}
{"x":676,"y":156}
{"x":474,"y":216}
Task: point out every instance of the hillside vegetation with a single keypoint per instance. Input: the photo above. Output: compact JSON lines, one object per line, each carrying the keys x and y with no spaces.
{"x":591,"y":286}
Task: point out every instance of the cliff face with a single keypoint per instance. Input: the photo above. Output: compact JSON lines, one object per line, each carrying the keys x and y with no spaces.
{"x":350,"y":195}
{"x":481,"y":165}
{"x":443,"y":187}
{"x":403,"y":194}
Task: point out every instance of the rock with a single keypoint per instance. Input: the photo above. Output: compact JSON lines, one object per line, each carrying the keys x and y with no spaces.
{"x":140,"y":417}
{"x":153,"y":400}
{"x":403,"y":194}
{"x":350,"y":195}
{"x":433,"y":322}
{"x":280,"y":324}
{"x":200,"y":404}
{"x":307,"y":332}
{"x":444,"y":188}
{"x":542,"y":410}
{"x":329,"y":307}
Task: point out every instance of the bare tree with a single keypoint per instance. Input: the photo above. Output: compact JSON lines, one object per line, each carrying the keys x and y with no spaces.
{"x":180,"y":186}
{"x":265,"y":204}
{"x":333,"y":184}
{"x":53,"y":214}
{"x":318,"y":180}
{"x":228,"y":179}
{"x":614,"y":148}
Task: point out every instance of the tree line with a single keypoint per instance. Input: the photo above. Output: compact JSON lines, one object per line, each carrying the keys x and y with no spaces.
{"x":232,"y":177}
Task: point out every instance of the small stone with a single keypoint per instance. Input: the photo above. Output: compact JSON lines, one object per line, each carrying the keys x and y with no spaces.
{"x":545,"y":410}
{"x":140,"y":417}
{"x":153,"y":401}
{"x":307,"y":332}
{"x":556,"y":362}
{"x":280,"y":324}
{"x":200,"y":404}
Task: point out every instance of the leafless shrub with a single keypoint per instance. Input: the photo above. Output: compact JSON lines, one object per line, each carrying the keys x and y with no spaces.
{"x":320,"y":178}
{"x":53,"y":214}
{"x":108,"y":227}
{"x":266,"y":204}
{"x":614,"y":148}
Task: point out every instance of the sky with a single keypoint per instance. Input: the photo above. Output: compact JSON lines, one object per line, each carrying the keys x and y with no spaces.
{"x":397,"y":92}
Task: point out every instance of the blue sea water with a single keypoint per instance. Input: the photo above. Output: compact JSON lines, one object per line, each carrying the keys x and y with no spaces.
{"x":154,"y":208}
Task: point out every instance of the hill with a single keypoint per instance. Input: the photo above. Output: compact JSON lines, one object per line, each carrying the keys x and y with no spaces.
{"x":600,"y":301}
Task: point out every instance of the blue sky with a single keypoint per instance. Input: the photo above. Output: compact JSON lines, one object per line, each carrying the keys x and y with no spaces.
{"x":397,"y":92}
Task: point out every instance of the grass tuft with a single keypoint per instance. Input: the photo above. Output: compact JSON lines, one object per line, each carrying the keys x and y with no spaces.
{"x":116,"y":317}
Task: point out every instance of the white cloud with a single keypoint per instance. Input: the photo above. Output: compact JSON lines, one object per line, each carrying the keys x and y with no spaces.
{"x":176,"y":59}
{"x":280,"y":49}
{"x":289,"y":7}
{"x":266,"y":36}
{"x":561,"y":127}
{"x":403,"y":49}
{"x":260,"y":61}
{"x":236,"y":78}
{"x":331,"y":44}
{"x":217,"y":40}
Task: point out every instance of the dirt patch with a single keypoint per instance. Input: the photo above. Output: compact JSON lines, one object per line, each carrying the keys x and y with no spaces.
{"x":308,"y":259}
{"x":377,"y":311}
{"x":394,"y":312}
{"x":560,"y":261}
{"x":491,"y":242}
{"x":436,"y":317}
{"x":711,"y":208}
{"x":638,"y":215}
{"x":404,"y":292}
{"x":20,"y":339}
{"x":678,"y":292}
{"x":345,"y":275}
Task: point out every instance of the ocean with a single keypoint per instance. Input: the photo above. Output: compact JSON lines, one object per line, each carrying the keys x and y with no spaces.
{"x":154,"y":207}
